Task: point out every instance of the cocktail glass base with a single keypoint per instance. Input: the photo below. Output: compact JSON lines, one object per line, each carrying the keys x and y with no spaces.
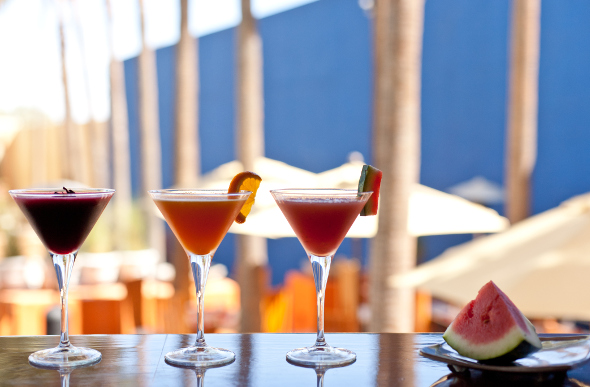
{"x":321,"y":356}
{"x":64,"y":357}
{"x":200,"y":357}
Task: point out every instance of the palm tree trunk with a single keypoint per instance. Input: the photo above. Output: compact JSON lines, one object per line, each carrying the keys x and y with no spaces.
{"x":250,"y":135}
{"x":187,"y":149}
{"x":521,"y":133}
{"x":151,"y":152}
{"x":39,"y":159}
{"x":251,"y":251}
{"x":71,"y":155}
{"x":188,"y":155}
{"x":97,"y":139}
{"x":120,"y":143}
{"x":396,"y":144}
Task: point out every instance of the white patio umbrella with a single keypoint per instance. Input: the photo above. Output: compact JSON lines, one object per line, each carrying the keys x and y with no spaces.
{"x":275,"y":174}
{"x":479,"y":190}
{"x":271,"y":223}
{"x":541,"y":263}
{"x":432,"y":212}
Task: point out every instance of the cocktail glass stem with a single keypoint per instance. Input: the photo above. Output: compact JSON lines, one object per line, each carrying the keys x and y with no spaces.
{"x":65,"y":355}
{"x":200,"y":372}
{"x":321,"y":270}
{"x":200,"y":354}
{"x":64,"y":264}
{"x":320,"y":377}
{"x":65,"y":378}
{"x":200,"y":266}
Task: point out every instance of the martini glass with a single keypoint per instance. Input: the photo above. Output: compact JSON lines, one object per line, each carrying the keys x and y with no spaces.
{"x":62,"y":220}
{"x":320,"y":219}
{"x":199,"y":219}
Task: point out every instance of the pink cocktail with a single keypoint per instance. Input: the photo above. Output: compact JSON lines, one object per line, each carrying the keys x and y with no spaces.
{"x":320,"y":219}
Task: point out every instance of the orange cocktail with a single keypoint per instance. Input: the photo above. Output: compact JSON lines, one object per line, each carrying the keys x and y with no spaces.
{"x":200,"y":223}
{"x":199,"y":219}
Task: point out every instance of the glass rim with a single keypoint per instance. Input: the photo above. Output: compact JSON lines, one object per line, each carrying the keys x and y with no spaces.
{"x":59,"y":192}
{"x":319,"y":191}
{"x":196,"y":192}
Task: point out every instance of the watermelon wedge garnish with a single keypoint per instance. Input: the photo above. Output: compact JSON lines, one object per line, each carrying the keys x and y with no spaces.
{"x":492,"y":328}
{"x":370,"y":181}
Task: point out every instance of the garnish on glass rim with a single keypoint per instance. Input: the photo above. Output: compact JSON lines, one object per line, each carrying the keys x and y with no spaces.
{"x":245,"y":181}
{"x":370,"y":180}
{"x":67,"y":191}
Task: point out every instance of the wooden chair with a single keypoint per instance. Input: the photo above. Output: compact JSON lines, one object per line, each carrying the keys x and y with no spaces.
{"x":134,"y":298}
{"x":293,"y":307}
{"x":423,"y":319}
{"x":296,"y":301}
{"x":104,"y":308}
{"x":222,"y":305}
{"x":159,"y":310}
{"x":24,"y":311}
{"x":156,"y":308}
{"x":343,"y":296}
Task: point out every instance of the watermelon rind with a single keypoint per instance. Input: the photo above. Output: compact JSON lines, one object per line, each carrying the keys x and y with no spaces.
{"x":370,"y":181}
{"x":522,"y":350}
{"x":514,"y":345}
{"x":466,"y":337}
{"x":363,"y":178}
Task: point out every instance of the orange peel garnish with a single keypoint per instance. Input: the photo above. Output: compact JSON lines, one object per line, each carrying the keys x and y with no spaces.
{"x":245,"y":181}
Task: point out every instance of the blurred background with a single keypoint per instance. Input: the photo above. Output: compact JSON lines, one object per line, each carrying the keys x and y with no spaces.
{"x":475,"y":111}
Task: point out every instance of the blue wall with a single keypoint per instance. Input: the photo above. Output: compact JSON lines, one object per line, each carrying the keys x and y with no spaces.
{"x":318,"y":87}
{"x":463,"y":98}
{"x":463,"y":91}
{"x":563,"y":163}
{"x":317,"y":84}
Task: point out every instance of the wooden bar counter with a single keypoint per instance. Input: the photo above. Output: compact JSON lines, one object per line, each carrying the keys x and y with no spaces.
{"x":138,"y":360}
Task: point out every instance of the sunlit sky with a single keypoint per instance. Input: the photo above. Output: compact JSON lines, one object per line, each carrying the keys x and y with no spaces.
{"x":30,"y":66}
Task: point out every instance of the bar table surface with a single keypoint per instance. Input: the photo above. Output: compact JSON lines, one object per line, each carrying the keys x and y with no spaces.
{"x":385,"y":359}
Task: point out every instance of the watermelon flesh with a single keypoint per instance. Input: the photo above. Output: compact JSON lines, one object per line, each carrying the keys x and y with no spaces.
{"x":492,"y":327}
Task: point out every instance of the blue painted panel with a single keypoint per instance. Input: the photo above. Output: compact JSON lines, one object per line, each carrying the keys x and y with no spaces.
{"x":317,"y":84}
{"x":166,"y":67}
{"x":225,"y":253}
{"x":463,"y":98}
{"x":563,"y":163}
{"x":216,"y":105}
{"x":217,"y":98}
{"x":284,"y":255}
{"x":463,"y":91}
{"x":131,"y":86}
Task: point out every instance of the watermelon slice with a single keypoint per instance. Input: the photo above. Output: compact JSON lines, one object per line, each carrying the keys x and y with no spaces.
{"x":370,"y":181}
{"x":492,"y":328}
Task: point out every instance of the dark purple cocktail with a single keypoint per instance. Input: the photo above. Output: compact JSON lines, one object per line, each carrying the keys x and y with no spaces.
{"x":62,"y":220}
